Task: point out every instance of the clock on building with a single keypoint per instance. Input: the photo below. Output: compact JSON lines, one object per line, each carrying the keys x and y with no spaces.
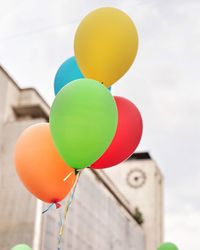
{"x":136,"y":178}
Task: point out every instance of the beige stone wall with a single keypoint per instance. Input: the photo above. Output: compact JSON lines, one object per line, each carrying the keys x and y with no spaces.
{"x":148,"y":197}
{"x":95,"y":221}
{"x":17,"y":206}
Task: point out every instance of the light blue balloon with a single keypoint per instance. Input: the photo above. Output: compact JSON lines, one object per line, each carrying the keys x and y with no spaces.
{"x":67,"y":72}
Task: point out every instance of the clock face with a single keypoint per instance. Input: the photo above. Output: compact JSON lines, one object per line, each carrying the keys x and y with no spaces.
{"x":136,"y":178}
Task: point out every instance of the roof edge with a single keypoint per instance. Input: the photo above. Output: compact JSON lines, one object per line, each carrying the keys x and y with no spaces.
{"x":23,"y":89}
{"x":140,"y":156}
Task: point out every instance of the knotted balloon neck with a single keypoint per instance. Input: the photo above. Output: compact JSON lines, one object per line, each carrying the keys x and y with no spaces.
{"x":57,"y":205}
{"x":77,"y":170}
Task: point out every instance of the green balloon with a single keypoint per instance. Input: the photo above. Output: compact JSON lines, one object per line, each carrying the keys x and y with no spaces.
{"x":83,"y":122}
{"x":167,"y":246}
{"x":21,"y":247}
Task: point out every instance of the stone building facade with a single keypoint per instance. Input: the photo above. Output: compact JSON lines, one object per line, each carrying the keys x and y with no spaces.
{"x":99,"y":218}
{"x":141,"y":182}
{"x":102,"y":213}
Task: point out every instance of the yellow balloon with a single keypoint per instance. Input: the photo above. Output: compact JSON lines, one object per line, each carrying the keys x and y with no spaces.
{"x":105,"y":45}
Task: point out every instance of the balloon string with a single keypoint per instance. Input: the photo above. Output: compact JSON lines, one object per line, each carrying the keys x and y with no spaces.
{"x":58,"y":205}
{"x":68,"y":176}
{"x":76,"y":171}
{"x":68,"y":204}
{"x":47,"y":208}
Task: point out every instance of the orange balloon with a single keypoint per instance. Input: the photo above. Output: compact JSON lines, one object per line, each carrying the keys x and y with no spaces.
{"x":40,"y":167}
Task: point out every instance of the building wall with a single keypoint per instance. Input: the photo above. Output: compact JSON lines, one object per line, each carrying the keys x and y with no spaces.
{"x":95,"y":221}
{"x":17,"y":206}
{"x":142,"y":184}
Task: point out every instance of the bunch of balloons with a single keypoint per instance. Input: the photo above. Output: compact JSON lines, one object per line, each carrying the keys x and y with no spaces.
{"x":88,"y":127}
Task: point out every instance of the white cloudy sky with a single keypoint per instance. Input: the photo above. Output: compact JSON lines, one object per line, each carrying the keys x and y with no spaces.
{"x":36,"y":36}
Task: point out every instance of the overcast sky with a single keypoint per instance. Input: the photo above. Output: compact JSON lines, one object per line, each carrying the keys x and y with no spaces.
{"x":36,"y":36}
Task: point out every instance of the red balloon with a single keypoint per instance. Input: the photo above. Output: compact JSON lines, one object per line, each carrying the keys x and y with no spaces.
{"x":127,"y":136}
